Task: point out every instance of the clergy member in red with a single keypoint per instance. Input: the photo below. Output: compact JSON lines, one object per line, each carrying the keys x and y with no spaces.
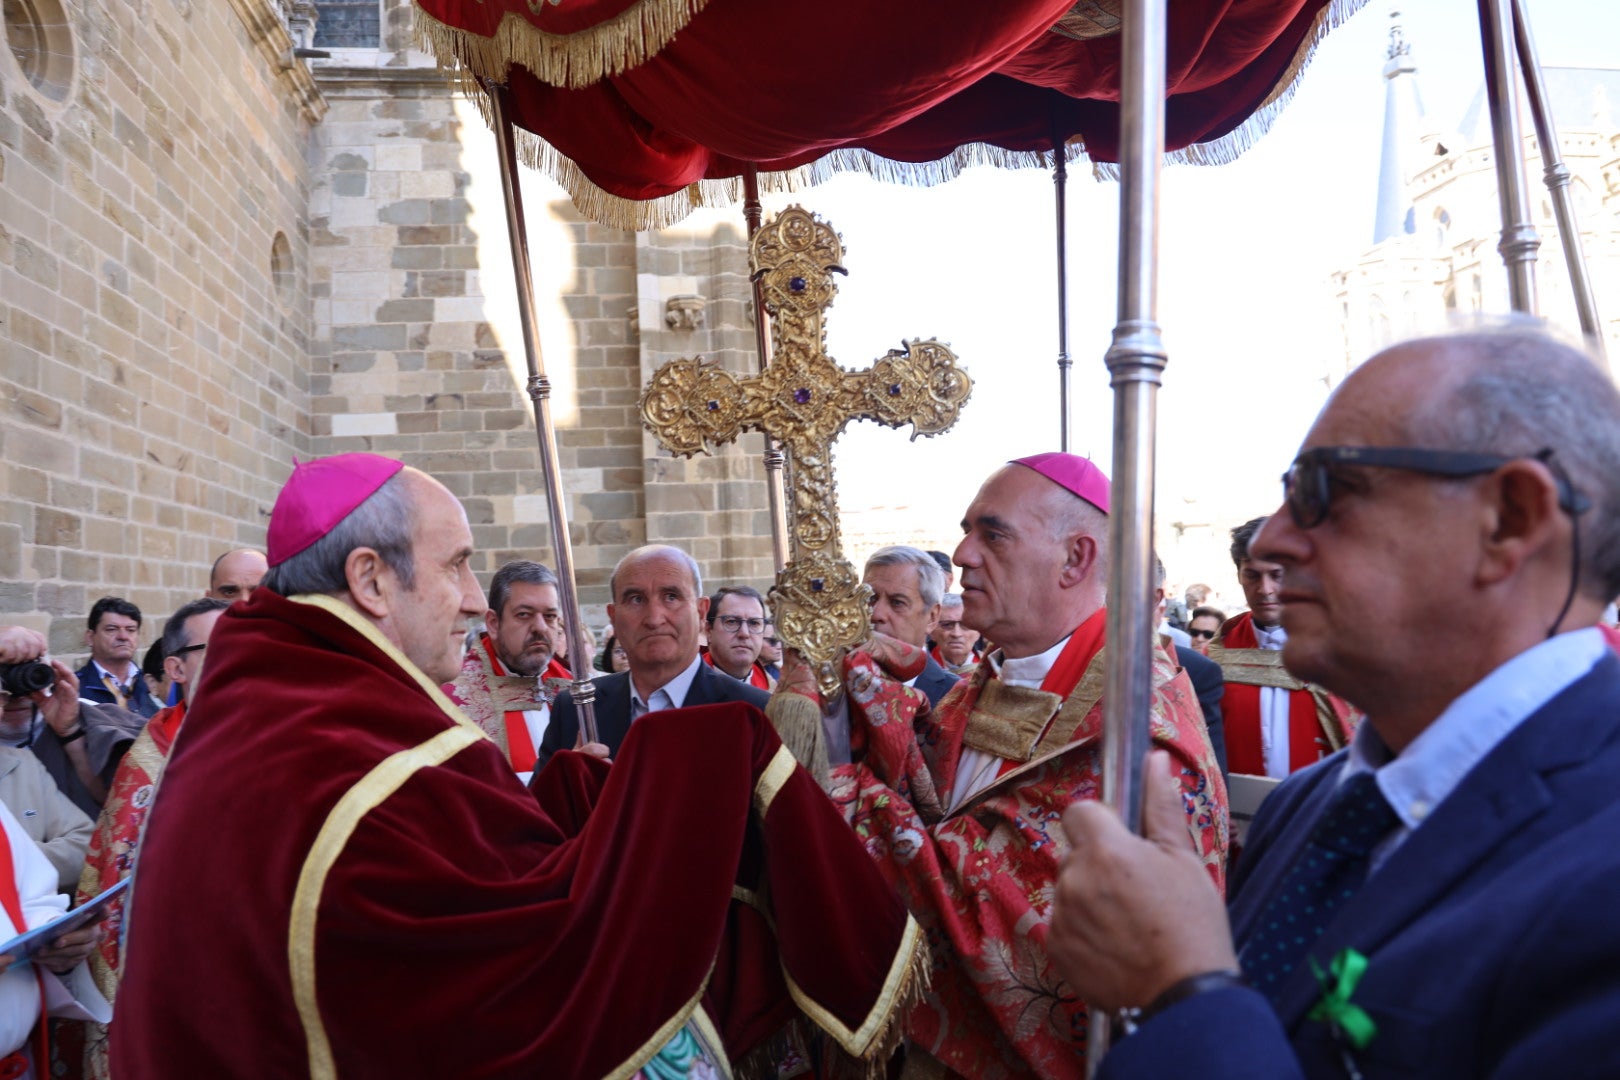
{"x":509,"y":677}
{"x":736,"y":628}
{"x":1275,"y":723}
{"x":117,"y":838}
{"x":343,"y":878}
{"x":960,"y":806}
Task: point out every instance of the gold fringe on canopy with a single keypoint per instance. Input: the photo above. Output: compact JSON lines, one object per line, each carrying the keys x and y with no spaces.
{"x":1237,"y":142}
{"x":573,"y":60}
{"x":634,"y":215}
{"x":620,"y":44}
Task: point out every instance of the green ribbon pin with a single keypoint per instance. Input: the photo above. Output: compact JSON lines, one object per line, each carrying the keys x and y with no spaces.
{"x":1335,"y":1007}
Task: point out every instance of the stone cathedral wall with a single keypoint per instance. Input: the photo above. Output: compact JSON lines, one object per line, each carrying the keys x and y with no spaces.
{"x":215,"y":256}
{"x":154,"y":272}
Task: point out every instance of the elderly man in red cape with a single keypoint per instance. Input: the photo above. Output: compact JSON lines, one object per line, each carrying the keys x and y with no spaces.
{"x":342,"y":877}
{"x":960,"y":807}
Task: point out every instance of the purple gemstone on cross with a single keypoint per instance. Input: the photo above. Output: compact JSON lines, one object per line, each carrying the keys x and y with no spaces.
{"x":817,"y":584}
{"x":802,"y":395}
{"x":798,"y":284}
{"x":894,"y":389}
{"x":714,"y":406}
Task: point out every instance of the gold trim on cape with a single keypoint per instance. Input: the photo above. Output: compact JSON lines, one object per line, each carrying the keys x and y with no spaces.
{"x":368,"y":792}
{"x":376,"y":786}
{"x":1017,"y":721}
{"x":771,"y":779}
{"x":884,"y":1026}
{"x":692,"y":1011}
{"x":1264,"y":668}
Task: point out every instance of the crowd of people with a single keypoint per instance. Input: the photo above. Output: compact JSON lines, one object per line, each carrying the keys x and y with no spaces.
{"x":417,"y":856}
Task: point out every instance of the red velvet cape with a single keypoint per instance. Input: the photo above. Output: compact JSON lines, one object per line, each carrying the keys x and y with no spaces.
{"x":466,"y":928}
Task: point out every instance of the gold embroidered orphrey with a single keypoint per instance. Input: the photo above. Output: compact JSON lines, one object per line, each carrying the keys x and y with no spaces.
{"x":804,"y":400}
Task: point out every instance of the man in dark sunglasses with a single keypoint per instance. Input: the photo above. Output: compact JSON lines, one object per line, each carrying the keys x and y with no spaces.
{"x":1437,"y":899}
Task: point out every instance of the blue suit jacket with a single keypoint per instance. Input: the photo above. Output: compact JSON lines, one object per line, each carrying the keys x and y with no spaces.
{"x":612,"y":708}
{"x":935,"y":681}
{"x":140,"y":698}
{"x":1493,"y":931}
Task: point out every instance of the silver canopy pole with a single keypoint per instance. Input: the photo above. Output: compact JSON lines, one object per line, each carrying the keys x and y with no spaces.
{"x":1135,"y":360}
{"x":1060,"y":184}
{"x":1557,"y":178}
{"x":1519,"y":242}
{"x":775,"y":488}
{"x":539,"y":386}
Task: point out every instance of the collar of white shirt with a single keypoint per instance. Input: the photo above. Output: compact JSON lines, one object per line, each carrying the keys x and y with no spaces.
{"x":1473,"y":725}
{"x":1028,"y":671}
{"x":1270,"y":637}
{"x":674,"y":691}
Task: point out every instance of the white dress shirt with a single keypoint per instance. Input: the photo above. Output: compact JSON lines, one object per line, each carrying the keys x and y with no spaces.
{"x":977,"y":769}
{"x":672,"y":695}
{"x":1433,"y":764}
{"x":1274,"y":707}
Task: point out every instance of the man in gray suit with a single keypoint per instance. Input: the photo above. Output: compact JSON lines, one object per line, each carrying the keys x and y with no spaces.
{"x":657,"y":610}
{"x":907,"y":585}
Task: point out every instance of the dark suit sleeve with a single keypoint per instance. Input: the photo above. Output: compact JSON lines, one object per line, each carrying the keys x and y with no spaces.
{"x":935,"y":682}
{"x":562,"y":731}
{"x":1230,"y":1034}
{"x":1210,"y":686}
{"x":1558,"y":1005}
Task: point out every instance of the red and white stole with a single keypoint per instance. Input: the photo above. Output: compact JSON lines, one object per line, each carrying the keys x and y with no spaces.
{"x":520,"y":746}
{"x":1308,"y":738}
{"x":11,"y":900}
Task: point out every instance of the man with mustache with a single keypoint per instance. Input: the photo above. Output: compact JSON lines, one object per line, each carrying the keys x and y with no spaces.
{"x":509,"y":677}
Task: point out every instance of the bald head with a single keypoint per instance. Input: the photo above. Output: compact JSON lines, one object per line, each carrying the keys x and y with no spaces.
{"x":1380,"y":552}
{"x":1034,"y":561}
{"x":1512,"y":390}
{"x":236,"y":574}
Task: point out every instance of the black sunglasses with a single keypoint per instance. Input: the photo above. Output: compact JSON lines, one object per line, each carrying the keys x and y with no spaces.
{"x":1200,"y":633}
{"x":1308,"y":483}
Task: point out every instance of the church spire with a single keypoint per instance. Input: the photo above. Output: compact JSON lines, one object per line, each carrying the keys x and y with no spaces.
{"x":1403,"y":118}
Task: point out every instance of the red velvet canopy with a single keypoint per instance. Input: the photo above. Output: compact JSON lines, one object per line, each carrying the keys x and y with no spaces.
{"x":644,"y":100}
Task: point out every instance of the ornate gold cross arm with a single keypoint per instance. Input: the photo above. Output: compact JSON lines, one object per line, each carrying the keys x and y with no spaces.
{"x":804,"y":400}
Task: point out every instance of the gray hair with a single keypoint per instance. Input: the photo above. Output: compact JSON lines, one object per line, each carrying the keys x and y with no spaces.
{"x":1072,"y":515}
{"x":175,"y":637}
{"x":930,"y":578}
{"x":1527,"y":390}
{"x":666,"y":550}
{"x":951,"y":601}
{"x":524,"y":571}
{"x":382,"y":522}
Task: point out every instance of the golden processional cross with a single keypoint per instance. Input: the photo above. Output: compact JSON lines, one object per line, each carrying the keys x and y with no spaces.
{"x":804,"y":400}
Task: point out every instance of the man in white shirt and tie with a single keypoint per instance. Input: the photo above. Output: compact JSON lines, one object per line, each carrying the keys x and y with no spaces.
{"x":657,"y":611}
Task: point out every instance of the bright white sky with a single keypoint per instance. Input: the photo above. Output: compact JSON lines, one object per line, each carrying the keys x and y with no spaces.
{"x":1245,"y":301}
